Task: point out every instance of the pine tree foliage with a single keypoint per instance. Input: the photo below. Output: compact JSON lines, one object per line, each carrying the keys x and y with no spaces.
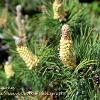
{"x":43,"y":34}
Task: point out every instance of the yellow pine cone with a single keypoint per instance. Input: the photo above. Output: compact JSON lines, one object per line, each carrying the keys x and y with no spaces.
{"x":58,"y":10}
{"x":27,"y":56}
{"x":66,"y":49}
{"x":8,"y":70}
{"x":3,"y":18}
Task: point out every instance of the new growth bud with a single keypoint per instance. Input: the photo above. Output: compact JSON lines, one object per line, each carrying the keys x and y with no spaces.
{"x":18,"y":8}
{"x":20,"y":22}
{"x":66,"y":32}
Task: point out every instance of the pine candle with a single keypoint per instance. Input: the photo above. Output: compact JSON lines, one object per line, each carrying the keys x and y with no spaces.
{"x":58,"y":10}
{"x":8,"y":69}
{"x":27,"y":56}
{"x":20,"y":22}
{"x":3,"y":18}
{"x":66,"y":48}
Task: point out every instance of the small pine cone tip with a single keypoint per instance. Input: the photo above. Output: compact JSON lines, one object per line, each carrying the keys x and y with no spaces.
{"x":65,"y":31}
{"x":18,"y":8}
{"x":65,"y":28}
